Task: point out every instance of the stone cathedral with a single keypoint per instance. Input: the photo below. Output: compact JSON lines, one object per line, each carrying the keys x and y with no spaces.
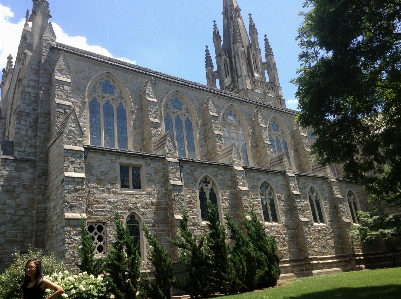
{"x":84,"y":135}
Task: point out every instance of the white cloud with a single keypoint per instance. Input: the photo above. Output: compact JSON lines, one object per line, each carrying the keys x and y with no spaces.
{"x":11,"y":33}
{"x":293,"y":102}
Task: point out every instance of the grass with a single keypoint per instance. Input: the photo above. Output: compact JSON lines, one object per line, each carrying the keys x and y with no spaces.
{"x":368,"y":284}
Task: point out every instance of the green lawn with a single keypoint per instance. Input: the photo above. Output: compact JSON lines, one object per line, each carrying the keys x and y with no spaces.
{"x":374,"y":284}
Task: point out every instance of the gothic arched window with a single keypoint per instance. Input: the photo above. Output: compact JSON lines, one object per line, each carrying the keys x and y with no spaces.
{"x":178,"y":121}
{"x":278,"y":141}
{"x":206,"y":191}
{"x":315,"y":205}
{"x":353,"y":206}
{"x":233,"y":132}
{"x":134,"y":229}
{"x":107,"y":116}
{"x":267,"y":199}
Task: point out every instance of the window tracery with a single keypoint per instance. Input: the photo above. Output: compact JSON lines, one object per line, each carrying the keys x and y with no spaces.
{"x":107,"y":116}
{"x":278,"y":141}
{"x":353,"y":206}
{"x":233,"y":132}
{"x":315,"y":205}
{"x":267,"y":199}
{"x":178,"y":121}
{"x":206,"y":191}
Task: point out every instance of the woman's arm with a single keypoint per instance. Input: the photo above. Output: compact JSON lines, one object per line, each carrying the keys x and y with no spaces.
{"x":56,"y":288}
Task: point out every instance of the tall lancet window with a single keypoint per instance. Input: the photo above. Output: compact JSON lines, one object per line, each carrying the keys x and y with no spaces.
{"x":178,"y":121}
{"x":206,"y":191}
{"x":107,"y":116}
{"x":353,"y":206}
{"x":233,"y":132}
{"x":315,"y":203}
{"x":268,"y":201}
{"x":278,"y":141}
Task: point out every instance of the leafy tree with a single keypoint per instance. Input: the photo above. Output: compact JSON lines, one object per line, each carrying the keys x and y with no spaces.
{"x":160,"y":286}
{"x":349,"y":90}
{"x":377,"y":224}
{"x":268,"y":269}
{"x":86,"y":253}
{"x":195,"y":260}
{"x":221,"y":271}
{"x":123,"y":264}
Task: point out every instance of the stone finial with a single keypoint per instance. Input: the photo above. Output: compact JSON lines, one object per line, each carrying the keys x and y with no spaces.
{"x":7,"y":69}
{"x":268,"y":48}
{"x":9,"y":62}
{"x":26,"y":18}
{"x":216,"y":33}
{"x":208,"y":59}
{"x":37,"y":3}
{"x":251,"y":23}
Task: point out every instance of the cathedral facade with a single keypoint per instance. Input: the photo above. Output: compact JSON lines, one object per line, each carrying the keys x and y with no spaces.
{"x":83,"y":136}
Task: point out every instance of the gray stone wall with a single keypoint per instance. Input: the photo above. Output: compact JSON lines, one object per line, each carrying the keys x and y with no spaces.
{"x":55,"y":177}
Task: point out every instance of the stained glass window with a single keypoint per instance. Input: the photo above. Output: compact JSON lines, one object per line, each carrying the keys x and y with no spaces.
{"x":122,"y":127}
{"x":353,"y":207}
{"x":134,"y":230}
{"x":179,"y":136}
{"x":107,"y":116}
{"x":95,"y":127}
{"x":233,"y":132}
{"x":124,"y":177}
{"x":315,"y":205}
{"x":206,"y":191}
{"x":136,"y":177}
{"x":107,"y":88}
{"x":130,"y":177}
{"x":108,"y":112}
{"x":168,"y":124}
{"x":278,"y":141}
{"x":267,"y":199}
{"x":181,"y":129}
{"x":189,"y":132}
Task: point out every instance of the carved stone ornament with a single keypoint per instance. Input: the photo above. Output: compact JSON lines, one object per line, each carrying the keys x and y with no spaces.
{"x":36,"y":4}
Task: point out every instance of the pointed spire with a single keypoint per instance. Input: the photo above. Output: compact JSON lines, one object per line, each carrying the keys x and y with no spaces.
{"x":208,"y":59}
{"x":215,"y":29}
{"x":251,"y":23}
{"x":268,"y":49}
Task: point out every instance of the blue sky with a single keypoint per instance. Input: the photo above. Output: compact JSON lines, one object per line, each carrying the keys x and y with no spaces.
{"x":168,"y":36}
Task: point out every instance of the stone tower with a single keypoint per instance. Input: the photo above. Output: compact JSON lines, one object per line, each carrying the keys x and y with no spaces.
{"x":240,"y":68}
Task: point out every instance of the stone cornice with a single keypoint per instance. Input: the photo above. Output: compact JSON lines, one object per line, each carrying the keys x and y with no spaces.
{"x":168,"y":78}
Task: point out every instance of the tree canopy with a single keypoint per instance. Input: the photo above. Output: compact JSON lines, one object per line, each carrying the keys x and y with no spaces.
{"x":349,"y":89}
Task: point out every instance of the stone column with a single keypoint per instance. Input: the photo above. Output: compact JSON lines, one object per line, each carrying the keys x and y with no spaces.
{"x":152,"y":128}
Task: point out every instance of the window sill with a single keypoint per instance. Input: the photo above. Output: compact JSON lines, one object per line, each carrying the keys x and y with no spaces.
{"x":131,"y":191}
{"x":319,"y":224}
{"x":272,"y":224}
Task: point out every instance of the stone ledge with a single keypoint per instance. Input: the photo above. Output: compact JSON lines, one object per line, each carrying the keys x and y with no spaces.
{"x":74,"y":175}
{"x":74,"y":216}
{"x":74,"y":148}
{"x":64,"y":103}
{"x":177,"y":183}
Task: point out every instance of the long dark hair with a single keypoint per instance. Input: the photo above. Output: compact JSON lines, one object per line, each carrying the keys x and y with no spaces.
{"x":39,"y":275}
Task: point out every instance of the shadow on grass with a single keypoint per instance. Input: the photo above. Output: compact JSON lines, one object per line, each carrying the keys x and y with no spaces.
{"x":374,"y":292}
